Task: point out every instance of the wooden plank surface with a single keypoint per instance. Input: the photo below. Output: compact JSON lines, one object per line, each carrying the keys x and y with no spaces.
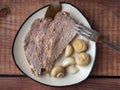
{"x":104,"y":16}
{"x":90,"y":84}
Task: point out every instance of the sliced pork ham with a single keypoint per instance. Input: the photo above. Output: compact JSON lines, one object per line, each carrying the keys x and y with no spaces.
{"x":34,"y":44}
{"x":59,"y":35}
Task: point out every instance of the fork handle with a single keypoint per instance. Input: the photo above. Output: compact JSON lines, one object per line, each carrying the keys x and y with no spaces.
{"x":113,"y":46}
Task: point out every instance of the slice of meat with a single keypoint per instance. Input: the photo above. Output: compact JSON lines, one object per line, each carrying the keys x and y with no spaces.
{"x":34,"y":44}
{"x":59,"y":35}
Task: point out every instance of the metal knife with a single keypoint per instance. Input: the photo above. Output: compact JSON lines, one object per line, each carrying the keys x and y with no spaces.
{"x":53,"y":9}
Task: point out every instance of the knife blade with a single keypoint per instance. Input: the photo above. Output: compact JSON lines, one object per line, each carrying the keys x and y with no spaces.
{"x":52,"y":10}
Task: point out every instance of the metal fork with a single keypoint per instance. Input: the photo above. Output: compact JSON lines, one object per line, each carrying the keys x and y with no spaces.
{"x":94,"y":36}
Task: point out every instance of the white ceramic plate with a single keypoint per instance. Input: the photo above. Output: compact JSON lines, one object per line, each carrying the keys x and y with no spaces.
{"x":21,"y":61}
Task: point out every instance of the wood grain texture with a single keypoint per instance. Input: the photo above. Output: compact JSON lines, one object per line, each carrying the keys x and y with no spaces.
{"x":104,"y":16}
{"x":28,"y":84}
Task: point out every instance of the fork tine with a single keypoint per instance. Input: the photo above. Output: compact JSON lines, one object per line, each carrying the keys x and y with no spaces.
{"x":83,"y":28}
{"x":86,"y":28}
{"x":86,"y":32}
{"x":81,"y":32}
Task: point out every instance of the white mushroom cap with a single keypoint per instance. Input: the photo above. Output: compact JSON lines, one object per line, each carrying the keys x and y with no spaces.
{"x":58,"y":72}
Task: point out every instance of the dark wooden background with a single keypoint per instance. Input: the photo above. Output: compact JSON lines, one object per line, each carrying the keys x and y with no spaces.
{"x":103,"y":15}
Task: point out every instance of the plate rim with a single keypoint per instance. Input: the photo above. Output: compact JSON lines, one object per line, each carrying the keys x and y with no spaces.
{"x":18,"y":33}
